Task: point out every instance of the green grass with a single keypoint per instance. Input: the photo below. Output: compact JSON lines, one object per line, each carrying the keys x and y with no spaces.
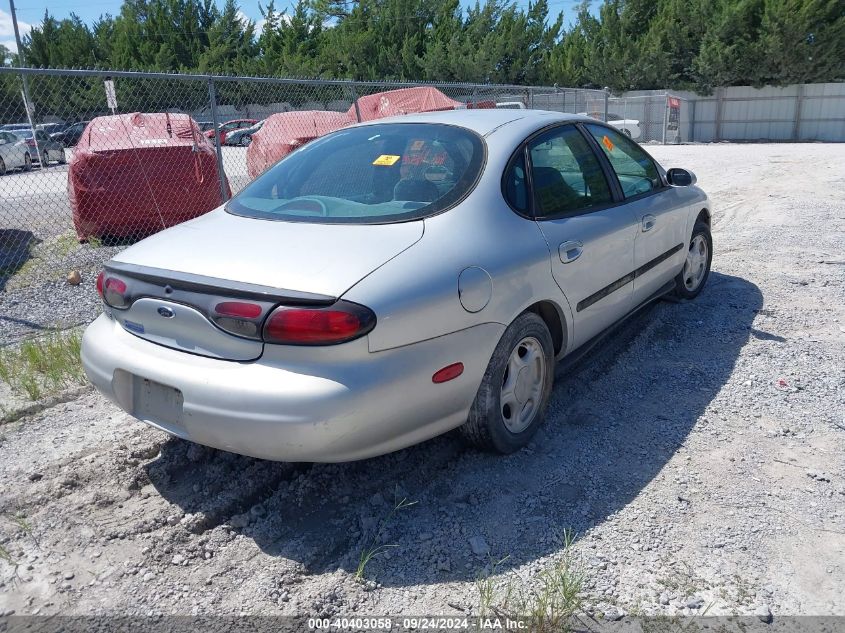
{"x":43,"y":366}
{"x":374,"y":547}
{"x":4,"y":555}
{"x":549,"y":600}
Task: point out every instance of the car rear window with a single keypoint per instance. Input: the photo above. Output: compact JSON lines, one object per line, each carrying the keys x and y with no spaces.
{"x":387,"y":172}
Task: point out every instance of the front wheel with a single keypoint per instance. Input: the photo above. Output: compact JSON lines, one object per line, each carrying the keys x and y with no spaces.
{"x":246,"y":139}
{"x":690,"y":281}
{"x":27,"y":162}
{"x":511,"y":401}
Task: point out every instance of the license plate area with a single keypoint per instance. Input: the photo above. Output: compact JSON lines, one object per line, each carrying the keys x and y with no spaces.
{"x":156,"y":402}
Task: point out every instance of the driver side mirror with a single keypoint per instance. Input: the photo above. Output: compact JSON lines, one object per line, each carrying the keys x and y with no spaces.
{"x":678,"y":177}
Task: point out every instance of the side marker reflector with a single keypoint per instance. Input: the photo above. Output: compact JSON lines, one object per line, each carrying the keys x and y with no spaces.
{"x":449,"y":372}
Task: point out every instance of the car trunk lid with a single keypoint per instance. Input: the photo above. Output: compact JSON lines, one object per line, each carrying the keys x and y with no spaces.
{"x":175,"y":282}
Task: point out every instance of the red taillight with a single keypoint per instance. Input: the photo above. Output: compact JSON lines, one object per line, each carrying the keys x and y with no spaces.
{"x":338,"y":323}
{"x":30,"y":142}
{"x":100,"y":284}
{"x":114,"y":292}
{"x":238,"y":309}
{"x":449,"y":372}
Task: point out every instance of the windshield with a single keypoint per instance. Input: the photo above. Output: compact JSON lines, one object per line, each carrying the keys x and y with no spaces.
{"x":388,"y":172}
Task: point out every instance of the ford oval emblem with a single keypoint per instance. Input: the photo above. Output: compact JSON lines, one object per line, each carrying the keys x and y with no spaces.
{"x":167,"y":313}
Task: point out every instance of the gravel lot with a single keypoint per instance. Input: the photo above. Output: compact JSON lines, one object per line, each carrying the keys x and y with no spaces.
{"x":698,"y":455}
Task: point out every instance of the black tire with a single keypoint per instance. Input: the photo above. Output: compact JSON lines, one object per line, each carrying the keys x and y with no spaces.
{"x":2,"y":167}
{"x":246,"y":139}
{"x":627,"y":132}
{"x":486,"y":427}
{"x":27,"y":162}
{"x":62,"y":157}
{"x":683,"y":288}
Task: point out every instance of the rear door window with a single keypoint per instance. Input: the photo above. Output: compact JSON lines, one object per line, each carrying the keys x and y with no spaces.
{"x":566,"y":175}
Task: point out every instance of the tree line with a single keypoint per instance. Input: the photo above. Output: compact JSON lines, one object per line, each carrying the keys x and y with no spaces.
{"x":628,"y":44}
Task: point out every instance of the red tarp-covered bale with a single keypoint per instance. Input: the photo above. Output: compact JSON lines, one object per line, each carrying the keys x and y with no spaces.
{"x":403,"y":101}
{"x":284,"y":132}
{"x":132,"y":175}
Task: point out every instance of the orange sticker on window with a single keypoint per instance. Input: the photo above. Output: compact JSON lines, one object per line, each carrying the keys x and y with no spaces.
{"x":386,"y":159}
{"x":607,"y":143}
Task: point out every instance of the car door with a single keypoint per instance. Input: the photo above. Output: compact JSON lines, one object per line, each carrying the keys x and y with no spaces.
{"x":659,"y":210}
{"x":590,"y":236}
{"x":43,"y":142}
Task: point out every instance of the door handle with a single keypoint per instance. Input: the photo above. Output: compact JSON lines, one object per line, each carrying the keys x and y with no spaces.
{"x":570,"y":251}
{"x":648,"y":223}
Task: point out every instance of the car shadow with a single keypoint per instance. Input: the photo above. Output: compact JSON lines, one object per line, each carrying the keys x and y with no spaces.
{"x":614,"y":421}
{"x":15,"y":250}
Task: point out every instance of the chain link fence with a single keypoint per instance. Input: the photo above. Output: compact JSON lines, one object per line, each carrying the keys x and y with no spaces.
{"x":101,"y":159}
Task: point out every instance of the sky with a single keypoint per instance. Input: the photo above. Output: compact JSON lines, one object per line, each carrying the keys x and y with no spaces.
{"x":31,"y":11}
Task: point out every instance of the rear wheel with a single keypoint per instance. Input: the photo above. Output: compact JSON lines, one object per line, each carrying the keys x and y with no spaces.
{"x":62,"y":157}
{"x":27,"y":162}
{"x":511,"y":401}
{"x":2,"y":167}
{"x":246,"y":139}
{"x":690,"y":281}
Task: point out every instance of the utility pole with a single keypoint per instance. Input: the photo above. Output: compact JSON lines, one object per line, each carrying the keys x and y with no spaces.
{"x":27,"y":102}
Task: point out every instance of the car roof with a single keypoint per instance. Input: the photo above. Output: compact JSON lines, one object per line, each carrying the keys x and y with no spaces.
{"x":486,"y":121}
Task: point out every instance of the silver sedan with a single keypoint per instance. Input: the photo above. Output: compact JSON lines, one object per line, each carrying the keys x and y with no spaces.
{"x":394,"y":280}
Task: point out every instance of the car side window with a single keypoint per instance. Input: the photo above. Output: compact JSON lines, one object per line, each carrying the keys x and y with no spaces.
{"x":636,"y":171}
{"x":566,"y":175}
{"x":515,"y":185}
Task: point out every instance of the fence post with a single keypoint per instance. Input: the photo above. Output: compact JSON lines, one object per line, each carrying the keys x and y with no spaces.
{"x":531,"y":98}
{"x":606,"y":100}
{"x":212,"y":98}
{"x":665,"y":117}
{"x":799,"y":104}
{"x":692,"y":120}
{"x":719,"y":103}
{"x":355,"y":102}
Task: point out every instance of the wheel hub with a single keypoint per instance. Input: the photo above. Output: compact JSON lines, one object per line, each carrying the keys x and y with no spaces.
{"x":696,"y":264}
{"x":523,"y":383}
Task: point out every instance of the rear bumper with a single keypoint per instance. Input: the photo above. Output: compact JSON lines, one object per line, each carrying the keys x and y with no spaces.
{"x":331,"y":404}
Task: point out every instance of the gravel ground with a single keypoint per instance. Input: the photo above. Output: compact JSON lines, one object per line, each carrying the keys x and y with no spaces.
{"x":698,"y":455}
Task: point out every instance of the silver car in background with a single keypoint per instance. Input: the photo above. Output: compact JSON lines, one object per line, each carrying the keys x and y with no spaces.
{"x":14,"y":153}
{"x":394,"y":280}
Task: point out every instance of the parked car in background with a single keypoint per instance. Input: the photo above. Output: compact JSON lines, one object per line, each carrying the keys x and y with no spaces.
{"x":219,"y":135}
{"x":70,"y":135}
{"x":47,"y":149}
{"x":630,"y":127}
{"x":134,"y":174}
{"x":14,"y":153}
{"x":396,"y":281}
{"x":51,"y":128}
{"x":242,"y":136}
